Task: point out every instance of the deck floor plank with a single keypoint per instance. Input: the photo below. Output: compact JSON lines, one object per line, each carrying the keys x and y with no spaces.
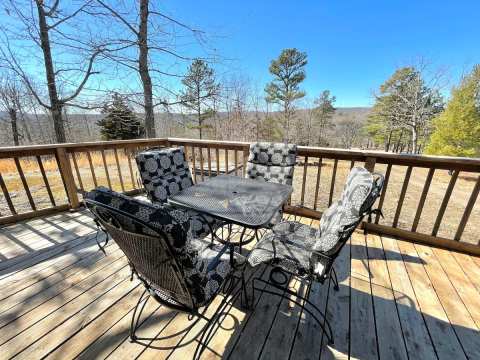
{"x":458,"y":315}
{"x":26,"y":316}
{"x":64,"y":299}
{"x":416,"y":335}
{"x":391,"y":343}
{"x":465,"y":288}
{"x":443,"y":336}
{"x":363,"y":337}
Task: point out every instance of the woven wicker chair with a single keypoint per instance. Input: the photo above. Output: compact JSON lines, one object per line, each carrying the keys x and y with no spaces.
{"x":179,"y":272}
{"x":295,"y":249}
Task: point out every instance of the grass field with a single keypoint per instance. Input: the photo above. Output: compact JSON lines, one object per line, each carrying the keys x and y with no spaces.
{"x":438,"y":186}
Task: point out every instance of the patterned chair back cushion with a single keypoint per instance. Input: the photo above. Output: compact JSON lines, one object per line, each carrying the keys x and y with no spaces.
{"x":164,"y":172}
{"x":347,"y":211}
{"x":273,"y":162}
{"x":172,"y":223}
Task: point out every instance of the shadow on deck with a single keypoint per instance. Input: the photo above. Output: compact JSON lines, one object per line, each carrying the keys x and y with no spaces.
{"x":62,"y":298}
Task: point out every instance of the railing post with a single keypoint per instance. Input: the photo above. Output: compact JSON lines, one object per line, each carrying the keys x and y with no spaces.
{"x":67,"y":177}
{"x":370,"y":163}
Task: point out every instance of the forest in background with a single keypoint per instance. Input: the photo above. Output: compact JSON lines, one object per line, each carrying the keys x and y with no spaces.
{"x":147,"y":74}
{"x":38,"y":129}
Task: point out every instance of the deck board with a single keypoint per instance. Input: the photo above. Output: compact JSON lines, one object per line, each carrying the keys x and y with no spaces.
{"x":62,"y":298}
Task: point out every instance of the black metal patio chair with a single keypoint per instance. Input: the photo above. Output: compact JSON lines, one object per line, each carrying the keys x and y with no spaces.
{"x":179,"y":271}
{"x":272,"y":162}
{"x":296,"y":249}
{"x":165,"y":172}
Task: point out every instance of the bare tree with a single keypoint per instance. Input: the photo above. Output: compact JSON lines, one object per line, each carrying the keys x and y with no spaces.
{"x":67,"y":53}
{"x":10,"y":95}
{"x":16,"y":101}
{"x":349,"y":130}
{"x":151,"y":35}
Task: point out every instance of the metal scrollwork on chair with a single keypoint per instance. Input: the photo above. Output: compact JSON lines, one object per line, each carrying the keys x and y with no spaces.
{"x":295,"y":249}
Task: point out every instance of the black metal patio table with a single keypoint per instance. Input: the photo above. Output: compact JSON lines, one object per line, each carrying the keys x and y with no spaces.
{"x":235,"y":200}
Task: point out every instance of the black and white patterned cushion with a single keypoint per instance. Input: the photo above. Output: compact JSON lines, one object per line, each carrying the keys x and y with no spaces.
{"x":193,"y":255}
{"x":273,"y":162}
{"x":291,"y":244}
{"x":161,"y":162}
{"x":203,"y":279}
{"x":345,"y":211}
{"x":164,"y":173}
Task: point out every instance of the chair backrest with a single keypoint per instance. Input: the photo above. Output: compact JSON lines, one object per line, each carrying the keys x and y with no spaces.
{"x":152,"y":238}
{"x":340,"y":220}
{"x":164,"y":172}
{"x":273,"y":162}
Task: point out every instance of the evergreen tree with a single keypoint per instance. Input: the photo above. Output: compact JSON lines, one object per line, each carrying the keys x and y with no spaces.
{"x":405,"y":104}
{"x":323,"y":114}
{"x":456,"y":131}
{"x":120,"y":122}
{"x":201,"y":89}
{"x":288,"y":71}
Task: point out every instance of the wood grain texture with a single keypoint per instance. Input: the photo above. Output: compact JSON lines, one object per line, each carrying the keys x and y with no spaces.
{"x":396,"y":299}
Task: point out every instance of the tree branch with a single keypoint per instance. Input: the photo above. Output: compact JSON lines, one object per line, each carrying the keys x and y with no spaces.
{"x":117,"y":15}
{"x":85,"y":79}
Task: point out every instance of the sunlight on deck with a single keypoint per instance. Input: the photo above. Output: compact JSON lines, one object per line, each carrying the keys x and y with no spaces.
{"x":62,"y":298}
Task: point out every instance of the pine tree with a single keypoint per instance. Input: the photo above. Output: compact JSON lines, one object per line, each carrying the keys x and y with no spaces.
{"x":288,"y":72}
{"x":323,"y":114}
{"x":456,"y":131}
{"x":405,"y":103}
{"x":120,"y":122}
{"x":201,"y":89}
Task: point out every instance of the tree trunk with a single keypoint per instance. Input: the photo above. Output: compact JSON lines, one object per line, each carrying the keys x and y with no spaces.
{"x":144,"y":71}
{"x":414,"y":139}
{"x":397,"y":146}
{"x":387,"y":143}
{"x":55,"y":104}
{"x":13,"y":121}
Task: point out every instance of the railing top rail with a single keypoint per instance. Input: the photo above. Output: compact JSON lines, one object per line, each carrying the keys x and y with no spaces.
{"x":27,"y":150}
{"x":439,"y":162}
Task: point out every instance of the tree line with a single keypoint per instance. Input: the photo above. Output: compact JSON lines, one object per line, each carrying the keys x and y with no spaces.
{"x":54,"y":59}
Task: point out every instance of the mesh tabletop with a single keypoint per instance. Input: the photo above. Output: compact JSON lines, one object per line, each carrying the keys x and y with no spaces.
{"x":241,"y":201}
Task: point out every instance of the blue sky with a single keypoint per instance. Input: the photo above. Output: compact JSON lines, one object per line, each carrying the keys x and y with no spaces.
{"x":352,"y":45}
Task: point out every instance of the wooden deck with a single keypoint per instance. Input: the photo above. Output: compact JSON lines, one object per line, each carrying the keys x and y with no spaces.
{"x":62,"y":298}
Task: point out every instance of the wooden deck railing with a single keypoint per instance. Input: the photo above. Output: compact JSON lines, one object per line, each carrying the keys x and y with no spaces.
{"x":425,"y":199}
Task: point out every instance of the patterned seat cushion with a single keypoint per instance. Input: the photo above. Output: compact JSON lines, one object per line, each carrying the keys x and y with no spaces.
{"x":203,"y":278}
{"x":272,"y":162}
{"x":289,"y":245}
{"x":161,"y":188}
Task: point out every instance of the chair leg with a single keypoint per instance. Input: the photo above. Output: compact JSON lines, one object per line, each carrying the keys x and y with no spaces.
{"x":136,"y":317}
{"x":324,"y":325}
{"x":333,"y":276}
{"x":209,"y":328}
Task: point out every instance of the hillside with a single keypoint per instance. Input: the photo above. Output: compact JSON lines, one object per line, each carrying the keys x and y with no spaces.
{"x":37,"y":129}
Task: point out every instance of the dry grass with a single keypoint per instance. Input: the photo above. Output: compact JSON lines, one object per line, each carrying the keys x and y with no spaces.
{"x":438,"y":186}
{"x":450,"y":221}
